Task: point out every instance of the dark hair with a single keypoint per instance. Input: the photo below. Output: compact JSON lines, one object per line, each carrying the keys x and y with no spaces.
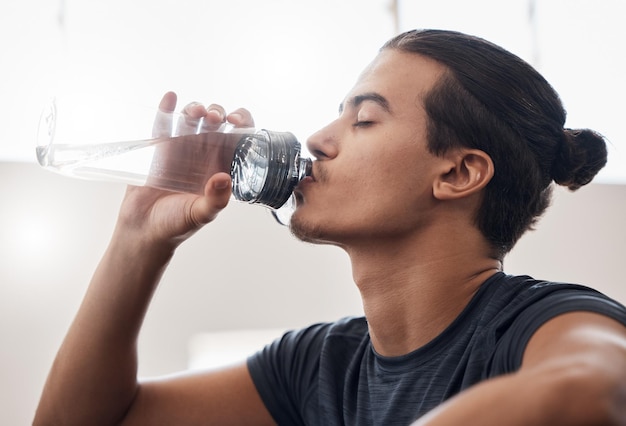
{"x":491,"y":100}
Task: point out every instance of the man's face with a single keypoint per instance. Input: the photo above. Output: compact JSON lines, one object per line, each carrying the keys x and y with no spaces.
{"x":373,"y":175}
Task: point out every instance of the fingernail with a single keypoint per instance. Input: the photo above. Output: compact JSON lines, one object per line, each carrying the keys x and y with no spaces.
{"x":216,"y":113}
{"x":221,"y":184}
{"x":235,"y":116}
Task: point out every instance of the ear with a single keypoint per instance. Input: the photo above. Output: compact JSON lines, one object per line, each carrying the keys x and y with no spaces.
{"x":465,"y":172}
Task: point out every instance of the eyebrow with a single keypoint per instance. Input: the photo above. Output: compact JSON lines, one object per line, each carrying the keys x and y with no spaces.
{"x":357,"y":100}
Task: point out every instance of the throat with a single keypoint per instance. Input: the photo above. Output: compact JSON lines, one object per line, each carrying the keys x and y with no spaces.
{"x":414,"y":286}
{"x":404,"y":314}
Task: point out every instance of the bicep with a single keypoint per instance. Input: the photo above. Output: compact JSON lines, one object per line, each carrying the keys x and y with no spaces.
{"x":220,"y":397}
{"x":581,"y":358}
{"x":577,"y":334}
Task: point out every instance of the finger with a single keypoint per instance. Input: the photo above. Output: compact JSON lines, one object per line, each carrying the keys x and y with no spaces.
{"x":195,"y":110}
{"x":214,"y":118}
{"x":216,"y":113}
{"x":168,"y":102}
{"x":162,"y":125}
{"x":189,"y":120}
{"x":241,"y":117}
{"x":217,"y":194}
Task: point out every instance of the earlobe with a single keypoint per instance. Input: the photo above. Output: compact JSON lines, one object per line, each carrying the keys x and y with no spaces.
{"x":467,"y":171}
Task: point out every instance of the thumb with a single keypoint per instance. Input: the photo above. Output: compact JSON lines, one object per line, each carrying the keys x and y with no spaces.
{"x":217,"y":193}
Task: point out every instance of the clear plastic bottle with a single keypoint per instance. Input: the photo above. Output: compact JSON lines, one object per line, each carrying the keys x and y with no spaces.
{"x":181,"y":155}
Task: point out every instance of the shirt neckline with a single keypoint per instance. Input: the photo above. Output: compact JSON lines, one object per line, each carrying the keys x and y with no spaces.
{"x":440,"y":342}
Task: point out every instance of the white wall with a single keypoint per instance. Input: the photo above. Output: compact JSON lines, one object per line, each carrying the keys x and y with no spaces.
{"x":581,"y":238}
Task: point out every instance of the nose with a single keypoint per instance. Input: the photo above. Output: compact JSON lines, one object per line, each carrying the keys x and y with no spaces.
{"x":323,"y":143}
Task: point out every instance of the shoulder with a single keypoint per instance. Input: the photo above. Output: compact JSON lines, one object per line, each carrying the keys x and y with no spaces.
{"x":345,"y":328}
{"x":306,"y":345}
{"x":533,"y":303}
{"x":286,"y":372}
{"x":512,"y":295}
{"x":542,"y":299}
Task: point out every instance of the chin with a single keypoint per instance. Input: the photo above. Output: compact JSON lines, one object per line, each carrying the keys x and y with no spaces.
{"x":303,"y":230}
{"x":307,"y":231}
{"x":312,"y":232}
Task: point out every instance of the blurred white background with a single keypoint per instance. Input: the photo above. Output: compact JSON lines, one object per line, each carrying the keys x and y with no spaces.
{"x":290,"y":62}
{"x":287,"y":59}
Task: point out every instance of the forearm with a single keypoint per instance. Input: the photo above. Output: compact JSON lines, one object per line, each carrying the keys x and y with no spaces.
{"x":93,"y":378}
{"x":490,"y":403}
{"x":569,"y":394}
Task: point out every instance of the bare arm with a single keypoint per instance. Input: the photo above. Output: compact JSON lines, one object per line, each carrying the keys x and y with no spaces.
{"x":94,"y":377}
{"x":573,"y":373}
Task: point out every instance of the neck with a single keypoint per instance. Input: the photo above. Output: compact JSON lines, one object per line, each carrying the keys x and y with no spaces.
{"x":412,"y":290}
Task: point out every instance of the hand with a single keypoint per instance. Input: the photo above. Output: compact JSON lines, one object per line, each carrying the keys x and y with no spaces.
{"x":163,"y":216}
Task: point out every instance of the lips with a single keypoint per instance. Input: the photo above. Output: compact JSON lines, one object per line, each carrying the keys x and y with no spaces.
{"x":310,"y":177}
{"x":308,"y":180}
{"x":304,"y":182}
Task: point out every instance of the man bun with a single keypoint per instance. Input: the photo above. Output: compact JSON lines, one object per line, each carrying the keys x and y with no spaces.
{"x":579,"y":157}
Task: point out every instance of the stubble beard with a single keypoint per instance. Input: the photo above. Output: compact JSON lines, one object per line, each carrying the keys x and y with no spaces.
{"x":303,"y":231}
{"x":307,"y":231}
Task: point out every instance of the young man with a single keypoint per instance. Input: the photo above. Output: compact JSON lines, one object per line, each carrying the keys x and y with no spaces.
{"x":441,"y":157}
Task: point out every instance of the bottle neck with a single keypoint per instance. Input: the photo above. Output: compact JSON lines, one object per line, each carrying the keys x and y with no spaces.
{"x":305,"y":167}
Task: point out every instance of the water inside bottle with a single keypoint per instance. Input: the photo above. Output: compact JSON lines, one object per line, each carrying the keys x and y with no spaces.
{"x":180,"y":163}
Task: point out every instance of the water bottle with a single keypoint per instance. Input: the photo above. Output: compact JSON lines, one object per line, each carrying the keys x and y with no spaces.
{"x":180,"y":154}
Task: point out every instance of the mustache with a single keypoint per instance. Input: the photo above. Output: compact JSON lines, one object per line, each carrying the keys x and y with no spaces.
{"x":320,"y":173}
